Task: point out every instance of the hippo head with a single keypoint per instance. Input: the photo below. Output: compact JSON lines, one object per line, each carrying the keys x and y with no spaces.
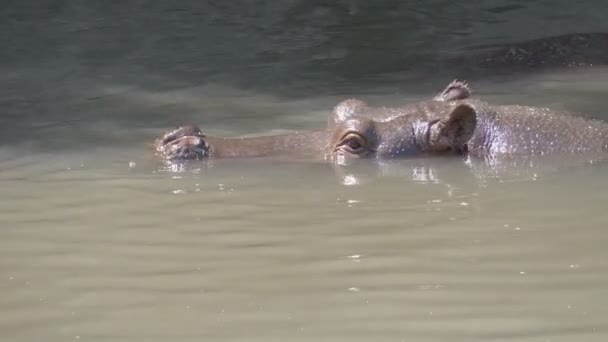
{"x":359,"y":131}
{"x":354,"y":130}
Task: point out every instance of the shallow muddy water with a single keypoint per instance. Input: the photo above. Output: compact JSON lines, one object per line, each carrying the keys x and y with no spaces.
{"x":101,"y":242}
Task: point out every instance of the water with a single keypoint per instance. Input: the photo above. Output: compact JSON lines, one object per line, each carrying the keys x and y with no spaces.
{"x":99,"y":242}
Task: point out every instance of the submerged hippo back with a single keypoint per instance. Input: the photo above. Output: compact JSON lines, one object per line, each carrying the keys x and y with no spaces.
{"x":532,"y":131}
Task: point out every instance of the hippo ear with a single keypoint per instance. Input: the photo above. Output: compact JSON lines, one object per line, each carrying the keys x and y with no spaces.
{"x":454,"y":132}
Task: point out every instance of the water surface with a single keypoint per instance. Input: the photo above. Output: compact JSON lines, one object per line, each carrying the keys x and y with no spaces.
{"x":100,"y":242}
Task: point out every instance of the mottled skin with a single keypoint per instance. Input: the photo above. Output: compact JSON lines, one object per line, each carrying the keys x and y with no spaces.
{"x":520,"y":130}
{"x":451,"y":123}
{"x":515,"y":130}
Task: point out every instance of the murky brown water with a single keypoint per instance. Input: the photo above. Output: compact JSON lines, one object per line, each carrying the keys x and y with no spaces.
{"x":266,"y":250}
{"x":98,"y":242}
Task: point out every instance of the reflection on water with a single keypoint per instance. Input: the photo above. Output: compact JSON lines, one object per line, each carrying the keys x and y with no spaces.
{"x":100,"y":242}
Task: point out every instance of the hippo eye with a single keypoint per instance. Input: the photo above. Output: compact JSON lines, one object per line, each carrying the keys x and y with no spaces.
{"x":353,"y":143}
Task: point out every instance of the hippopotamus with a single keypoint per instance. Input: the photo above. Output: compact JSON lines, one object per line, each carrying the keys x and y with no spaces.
{"x":567,"y":50}
{"x":511,"y":59}
{"x":452,"y":123}
{"x":350,"y":132}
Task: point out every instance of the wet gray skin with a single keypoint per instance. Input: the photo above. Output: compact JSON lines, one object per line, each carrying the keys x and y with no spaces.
{"x":451,"y":123}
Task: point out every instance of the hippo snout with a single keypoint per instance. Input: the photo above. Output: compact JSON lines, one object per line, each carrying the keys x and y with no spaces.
{"x":184,"y":143}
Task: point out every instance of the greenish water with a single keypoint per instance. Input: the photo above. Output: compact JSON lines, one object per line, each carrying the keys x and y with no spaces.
{"x":99,"y":242}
